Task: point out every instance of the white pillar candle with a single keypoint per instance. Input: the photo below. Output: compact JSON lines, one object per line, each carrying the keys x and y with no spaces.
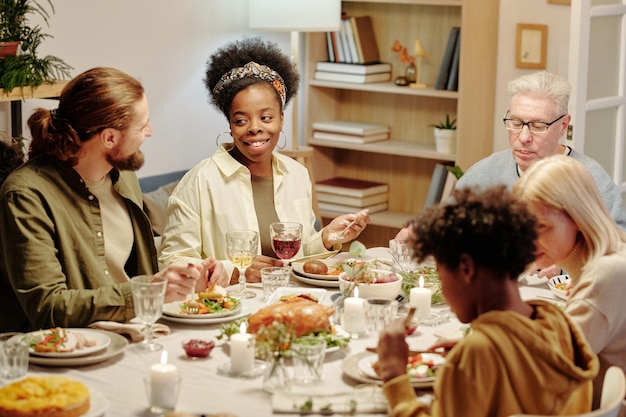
{"x":354,"y":315}
{"x":420,"y":298}
{"x":163,"y":384}
{"x":241,"y":351}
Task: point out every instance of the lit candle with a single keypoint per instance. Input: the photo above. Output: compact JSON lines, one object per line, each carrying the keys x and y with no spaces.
{"x":163,"y":384}
{"x":241,"y":351}
{"x":420,"y":298}
{"x":354,"y":314}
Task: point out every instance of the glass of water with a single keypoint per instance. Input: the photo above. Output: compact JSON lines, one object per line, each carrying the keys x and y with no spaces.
{"x":148,"y":297}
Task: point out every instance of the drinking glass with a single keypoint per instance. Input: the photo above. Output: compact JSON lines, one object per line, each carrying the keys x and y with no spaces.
{"x":286,"y":239}
{"x":242,"y":246}
{"x":148,"y":296}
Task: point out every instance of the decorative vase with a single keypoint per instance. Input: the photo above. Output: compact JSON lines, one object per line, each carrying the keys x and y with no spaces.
{"x":445,"y":140}
{"x":276,"y":377}
{"x":411,"y":73}
{"x":9,"y":48}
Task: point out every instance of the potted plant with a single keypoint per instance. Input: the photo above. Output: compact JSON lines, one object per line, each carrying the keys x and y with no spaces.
{"x":26,"y":69}
{"x":445,"y":135}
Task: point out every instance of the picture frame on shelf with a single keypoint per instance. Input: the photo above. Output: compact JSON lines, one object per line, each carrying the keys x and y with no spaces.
{"x":531,"y":46}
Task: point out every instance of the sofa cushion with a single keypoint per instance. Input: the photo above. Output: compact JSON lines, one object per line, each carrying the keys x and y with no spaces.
{"x":155,"y":206}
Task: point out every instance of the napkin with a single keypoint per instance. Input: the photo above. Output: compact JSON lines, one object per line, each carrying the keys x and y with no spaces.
{"x":132,"y":330}
{"x":364,"y":399}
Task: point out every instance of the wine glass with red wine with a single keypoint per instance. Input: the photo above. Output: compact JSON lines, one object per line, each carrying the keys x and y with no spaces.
{"x":286,"y":239}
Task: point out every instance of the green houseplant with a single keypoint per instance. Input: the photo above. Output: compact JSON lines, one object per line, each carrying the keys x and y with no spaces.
{"x":26,"y":68}
{"x":445,"y":135}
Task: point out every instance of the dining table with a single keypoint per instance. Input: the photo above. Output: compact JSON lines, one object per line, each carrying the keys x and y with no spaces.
{"x":118,"y":388}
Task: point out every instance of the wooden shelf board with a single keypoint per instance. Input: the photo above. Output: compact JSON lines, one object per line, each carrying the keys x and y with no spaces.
{"x":389,"y":147}
{"x":458,"y":3}
{"x":43,"y":91}
{"x":395,"y":219}
{"x":387,"y":88}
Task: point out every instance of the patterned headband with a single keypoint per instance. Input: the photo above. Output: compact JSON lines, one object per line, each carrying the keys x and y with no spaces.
{"x":252,"y":69}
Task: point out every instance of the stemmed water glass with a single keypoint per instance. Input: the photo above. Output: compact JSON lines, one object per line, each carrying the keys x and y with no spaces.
{"x":286,"y":239}
{"x":148,"y":297}
{"x":242,"y":246}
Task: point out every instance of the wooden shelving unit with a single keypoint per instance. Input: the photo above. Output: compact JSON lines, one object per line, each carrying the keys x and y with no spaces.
{"x":406,"y":161}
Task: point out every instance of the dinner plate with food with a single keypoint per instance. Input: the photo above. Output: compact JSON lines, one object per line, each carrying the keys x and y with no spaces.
{"x":60,"y":342}
{"x":287,"y":294}
{"x":213,"y":303}
{"x":422,"y":368}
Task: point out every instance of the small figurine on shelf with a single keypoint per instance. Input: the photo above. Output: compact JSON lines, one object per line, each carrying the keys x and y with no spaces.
{"x":403,"y":56}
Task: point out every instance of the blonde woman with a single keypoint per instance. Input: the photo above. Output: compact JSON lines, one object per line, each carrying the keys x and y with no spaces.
{"x":577,"y":233}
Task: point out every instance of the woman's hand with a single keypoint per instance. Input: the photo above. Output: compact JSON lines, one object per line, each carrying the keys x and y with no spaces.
{"x":213,"y":273}
{"x":393,"y":351}
{"x":253,"y":272}
{"x":181,"y":280}
{"x":334,"y":232}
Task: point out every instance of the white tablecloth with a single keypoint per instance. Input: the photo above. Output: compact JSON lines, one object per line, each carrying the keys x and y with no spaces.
{"x":204,"y":391}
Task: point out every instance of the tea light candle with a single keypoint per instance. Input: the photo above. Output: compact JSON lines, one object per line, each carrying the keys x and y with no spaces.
{"x":241,"y":351}
{"x":354,"y":314}
{"x":420,"y":298}
{"x":163,"y":383}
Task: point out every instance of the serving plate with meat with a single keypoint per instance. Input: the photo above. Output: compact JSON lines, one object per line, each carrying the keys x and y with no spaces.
{"x":60,"y":342}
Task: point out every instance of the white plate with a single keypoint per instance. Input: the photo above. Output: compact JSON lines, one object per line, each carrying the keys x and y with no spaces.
{"x":246,"y":310}
{"x":298,"y":267}
{"x":365,"y":365}
{"x":559,"y":279}
{"x":173,"y":310}
{"x":289,"y":291}
{"x":316,"y":282}
{"x":351,"y":366}
{"x":116,"y":347}
{"x":102,"y":341}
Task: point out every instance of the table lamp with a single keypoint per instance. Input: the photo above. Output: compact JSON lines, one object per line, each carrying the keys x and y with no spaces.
{"x":419,"y":54}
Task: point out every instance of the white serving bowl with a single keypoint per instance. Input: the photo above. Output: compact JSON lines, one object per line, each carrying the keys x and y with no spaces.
{"x":385,"y":290}
{"x":556,"y":284}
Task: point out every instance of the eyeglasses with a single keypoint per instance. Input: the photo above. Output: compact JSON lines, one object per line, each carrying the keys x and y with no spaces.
{"x":533,"y":127}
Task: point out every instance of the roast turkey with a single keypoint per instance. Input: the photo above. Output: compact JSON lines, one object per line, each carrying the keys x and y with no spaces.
{"x":303,"y":316}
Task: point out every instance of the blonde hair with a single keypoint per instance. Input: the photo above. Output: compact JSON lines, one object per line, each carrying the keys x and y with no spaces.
{"x":565,"y":184}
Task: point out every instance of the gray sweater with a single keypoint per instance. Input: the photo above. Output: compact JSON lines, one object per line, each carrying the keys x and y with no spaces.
{"x":500,"y":168}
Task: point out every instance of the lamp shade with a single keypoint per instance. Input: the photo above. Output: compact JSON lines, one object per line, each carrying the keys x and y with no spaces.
{"x":294,"y":15}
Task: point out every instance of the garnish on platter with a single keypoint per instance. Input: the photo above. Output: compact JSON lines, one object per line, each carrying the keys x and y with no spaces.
{"x":58,"y":339}
{"x":431,"y":280}
{"x":212,"y":301}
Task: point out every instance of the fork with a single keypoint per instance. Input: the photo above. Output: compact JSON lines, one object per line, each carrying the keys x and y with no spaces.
{"x":340,"y":235}
{"x":192,"y":305}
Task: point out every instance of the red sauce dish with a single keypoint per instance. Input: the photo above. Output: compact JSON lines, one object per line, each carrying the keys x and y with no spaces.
{"x":198,"y":348}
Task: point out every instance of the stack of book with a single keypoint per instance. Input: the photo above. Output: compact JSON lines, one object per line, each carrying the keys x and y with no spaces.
{"x":350,"y":132}
{"x":347,"y":195}
{"x":353,"y":73}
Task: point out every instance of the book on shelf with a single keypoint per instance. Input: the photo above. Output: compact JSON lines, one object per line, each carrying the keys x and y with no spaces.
{"x":437,"y":183}
{"x":330,"y":47}
{"x":365,"y":40}
{"x":352,"y":78}
{"x":453,"y":77}
{"x":446,"y":62}
{"x":344,"y":137}
{"x":351,"y":128}
{"x":341,"y":208}
{"x":348,"y":41}
{"x":448,"y":187}
{"x":372,"y":68}
{"x":351,"y":187}
{"x":353,"y":201}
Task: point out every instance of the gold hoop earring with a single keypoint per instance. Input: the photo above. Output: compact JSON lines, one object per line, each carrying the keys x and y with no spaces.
{"x":217,"y":139}
{"x":282,"y":132}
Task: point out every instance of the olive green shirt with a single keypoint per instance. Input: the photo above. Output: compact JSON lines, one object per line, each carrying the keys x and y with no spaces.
{"x":53,"y":270}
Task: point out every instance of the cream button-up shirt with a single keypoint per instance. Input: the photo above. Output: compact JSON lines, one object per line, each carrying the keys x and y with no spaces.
{"x":216,"y":196}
